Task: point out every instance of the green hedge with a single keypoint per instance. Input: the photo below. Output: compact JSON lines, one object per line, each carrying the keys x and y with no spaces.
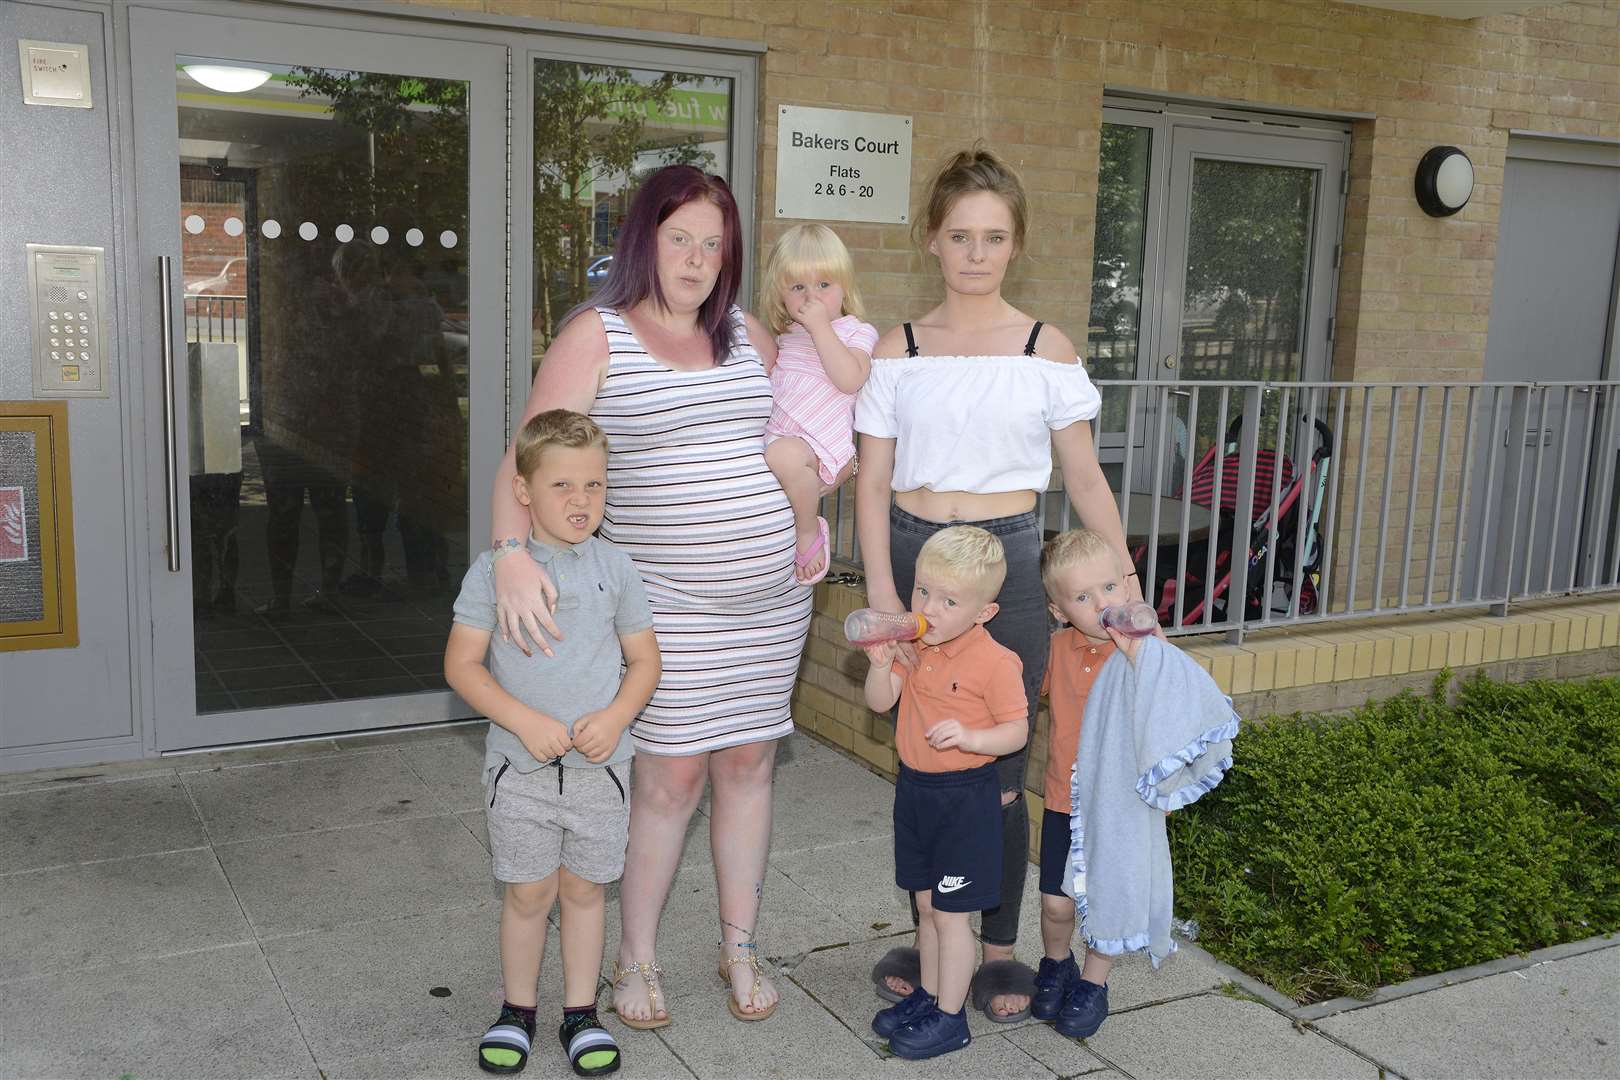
{"x":1413,"y":836}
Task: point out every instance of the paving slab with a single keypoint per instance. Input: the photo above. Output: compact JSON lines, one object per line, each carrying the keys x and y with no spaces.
{"x":1220,"y":1038}
{"x":798,"y":749}
{"x":476,"y":824}
{"x":215,"y":1013}
{"x":1554,"y":1020}
{"x":252,"y":801}
{"x":1065,"y":1057}
{"x":316,"y":881}
{"x":70,"y":776}
{"x":855,"y":881}
{"x":369,"y":985}
{"x":801,"y":1039}
{"x":62,"y":826}
{"x":451,"y":768}
{"x":816,"y":807}
{"x":101,"y":913}
{"x":254,"y":755}
{"x":644,"y":1057}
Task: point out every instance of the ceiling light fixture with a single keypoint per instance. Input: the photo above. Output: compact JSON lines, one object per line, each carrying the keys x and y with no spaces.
{"x":226,"y":78}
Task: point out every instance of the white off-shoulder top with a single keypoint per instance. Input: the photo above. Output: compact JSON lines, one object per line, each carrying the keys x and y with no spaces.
{"x":973,"y":423}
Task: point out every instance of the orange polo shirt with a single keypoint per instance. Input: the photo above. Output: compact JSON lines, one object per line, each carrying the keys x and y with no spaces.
{"x":1071,"y":668}
{"x":969,"y":678}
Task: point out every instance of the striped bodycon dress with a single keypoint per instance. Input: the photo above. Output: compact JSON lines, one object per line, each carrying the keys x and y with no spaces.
{"x":692,"y":503}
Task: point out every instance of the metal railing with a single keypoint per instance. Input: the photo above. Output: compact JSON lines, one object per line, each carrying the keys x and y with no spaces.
{"x":1256,"y":504}
{"x":215,"y":317}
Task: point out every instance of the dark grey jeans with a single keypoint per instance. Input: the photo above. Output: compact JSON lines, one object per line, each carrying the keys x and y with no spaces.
{"x":1022,"y":626}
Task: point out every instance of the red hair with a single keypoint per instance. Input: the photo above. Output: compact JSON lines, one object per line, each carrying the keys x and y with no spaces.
{"x":634,"y":273}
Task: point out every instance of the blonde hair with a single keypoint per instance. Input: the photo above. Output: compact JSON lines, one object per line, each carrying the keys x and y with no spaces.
{"x":967,"y":556}
{"x":1069,"y":549}
{"x":558,"y":427}
{"x":807,"y":251}
{"x":968,"y":172}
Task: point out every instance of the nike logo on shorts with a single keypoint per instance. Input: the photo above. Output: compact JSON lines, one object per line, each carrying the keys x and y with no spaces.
{"x":951,"y":884}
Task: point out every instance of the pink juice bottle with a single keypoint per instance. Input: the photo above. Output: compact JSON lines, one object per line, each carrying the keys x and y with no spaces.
{"x":868,"y":626}
{"x":1133,"y":620}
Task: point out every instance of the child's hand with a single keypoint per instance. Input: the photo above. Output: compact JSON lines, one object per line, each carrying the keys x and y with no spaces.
{"x":808,"y":311}
{"x":596,"y":734}
{"x":882,"y":655}
{"x":1127,"y":644}
{"x":950,"y":734}
{"x":546,"y":739}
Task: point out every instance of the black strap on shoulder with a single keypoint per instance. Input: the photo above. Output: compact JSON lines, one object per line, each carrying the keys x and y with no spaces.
{"x":911,"y":342}
{"x":1034,"y":332}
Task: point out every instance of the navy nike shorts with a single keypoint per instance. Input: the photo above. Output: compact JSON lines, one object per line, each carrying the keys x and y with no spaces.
{"x":947,"y":836}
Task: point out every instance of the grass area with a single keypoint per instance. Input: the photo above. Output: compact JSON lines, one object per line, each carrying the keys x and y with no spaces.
{"x":1413,"y":836}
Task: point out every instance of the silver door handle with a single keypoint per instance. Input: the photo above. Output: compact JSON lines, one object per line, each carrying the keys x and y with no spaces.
{"x":1181,"y":393}
{"x":171,"y":484}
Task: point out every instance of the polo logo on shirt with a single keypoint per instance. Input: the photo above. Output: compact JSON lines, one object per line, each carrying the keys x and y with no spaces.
{"x":953,"y":688}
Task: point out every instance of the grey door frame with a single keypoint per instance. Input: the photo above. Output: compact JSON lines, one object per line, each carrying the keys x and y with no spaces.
{"x":278,"y":36}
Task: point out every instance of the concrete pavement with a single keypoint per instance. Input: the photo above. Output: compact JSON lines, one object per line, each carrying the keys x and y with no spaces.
{"x":326,"y":910}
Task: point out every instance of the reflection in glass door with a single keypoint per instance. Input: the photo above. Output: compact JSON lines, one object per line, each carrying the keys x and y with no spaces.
{"x":320,"y":213}
{"x":599,"y":130}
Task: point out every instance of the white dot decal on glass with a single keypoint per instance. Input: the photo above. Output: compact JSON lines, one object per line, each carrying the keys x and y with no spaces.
{"x":344,"y":233}
{"x":233,"y":226}
{"x":413,"y":237}
{"x":448,"y":238}
{"x":194,"y":224}
{"x":270,"y":229}
{"x":308,"y":230}
{"x":379,"y":235}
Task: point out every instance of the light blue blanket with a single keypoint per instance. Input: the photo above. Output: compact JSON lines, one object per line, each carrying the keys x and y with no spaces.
{"x":1157,"y":735}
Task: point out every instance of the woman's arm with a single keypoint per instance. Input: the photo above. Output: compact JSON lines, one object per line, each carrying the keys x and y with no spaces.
{"x":569,"y":376}
{"x":762,"y":341}
{"x":1089,"y":493}
{"x":873,"y":495}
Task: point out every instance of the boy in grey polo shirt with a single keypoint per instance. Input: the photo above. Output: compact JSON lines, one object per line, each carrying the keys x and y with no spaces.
{"x":557,"y":758}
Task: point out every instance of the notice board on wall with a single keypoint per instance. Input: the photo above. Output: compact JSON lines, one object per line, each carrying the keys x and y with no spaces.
{"x":38,"y":600}
{"x":837,"y":165}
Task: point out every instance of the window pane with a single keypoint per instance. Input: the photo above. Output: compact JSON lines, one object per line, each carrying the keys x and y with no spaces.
{"x":598,"y":132}
{"x":1248,"y":254}
{"x":1116,"y":263}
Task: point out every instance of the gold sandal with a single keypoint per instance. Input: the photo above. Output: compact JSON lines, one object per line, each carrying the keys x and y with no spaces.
{"x":724,"y":972}
{"x":648,"y":972}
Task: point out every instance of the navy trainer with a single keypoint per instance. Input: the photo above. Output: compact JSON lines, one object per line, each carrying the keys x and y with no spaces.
{"x":931,"y":1034}
{"x":903,"y":1012}
{"x":1084,"y":1009}
{"x":1052,"y":983}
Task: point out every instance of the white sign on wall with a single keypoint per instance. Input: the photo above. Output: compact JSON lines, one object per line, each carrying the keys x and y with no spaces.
{"x":837,"y":165}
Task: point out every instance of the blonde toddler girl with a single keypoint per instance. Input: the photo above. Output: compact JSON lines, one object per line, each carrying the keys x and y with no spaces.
{"x":824,"y":353}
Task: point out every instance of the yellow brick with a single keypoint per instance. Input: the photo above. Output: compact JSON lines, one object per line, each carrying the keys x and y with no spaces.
{"x":1491,"y":651}
{"x":1611,"y":629}
{"x":1287,"y":659}
{"x":1456,"y":648}
{"x":1265,"y":670}
{"x":1322,"y":663}
{"x":1560,"y":636}
{"x":1420,"y":652}
{"x":1344,"y":661}
{"x":1383,"y":656}
{"x":1473,"y":645}
{"x":1401,"y":656}
{"x":1243,"y":665}
{"x":1362,"y":667}
{"x":1221,"y":671}
{"x":1594,"y":630}
{"x":1543,"y":639}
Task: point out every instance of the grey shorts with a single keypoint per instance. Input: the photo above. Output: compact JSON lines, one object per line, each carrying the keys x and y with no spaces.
{"x":538,"y":821}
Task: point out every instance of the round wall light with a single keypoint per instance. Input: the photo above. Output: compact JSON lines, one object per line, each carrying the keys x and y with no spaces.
{"x":227,"y":79}
{"x":1445,"y":180}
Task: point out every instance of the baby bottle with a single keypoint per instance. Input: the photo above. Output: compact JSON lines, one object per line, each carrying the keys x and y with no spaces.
{"x":869,"y":626}
{"x":1133,"y":620}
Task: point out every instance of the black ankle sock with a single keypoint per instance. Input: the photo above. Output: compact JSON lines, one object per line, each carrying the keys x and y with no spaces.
{"x":526,"y":1015}
{"x":579,"y":1010}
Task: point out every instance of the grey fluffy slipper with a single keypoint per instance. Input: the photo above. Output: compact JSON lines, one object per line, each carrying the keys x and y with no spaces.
{"x":1000,"y":977}
{"x":901,"y":963}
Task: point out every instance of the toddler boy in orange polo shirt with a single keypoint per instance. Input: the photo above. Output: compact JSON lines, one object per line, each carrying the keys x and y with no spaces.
{"x":1082,"y":575}
{"x":961,"y":706}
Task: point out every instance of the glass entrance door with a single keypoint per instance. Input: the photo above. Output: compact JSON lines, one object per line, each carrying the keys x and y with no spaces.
{"x":321,"y":220}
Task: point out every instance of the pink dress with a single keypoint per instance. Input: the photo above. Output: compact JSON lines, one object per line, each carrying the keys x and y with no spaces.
{"x":805,"y":403}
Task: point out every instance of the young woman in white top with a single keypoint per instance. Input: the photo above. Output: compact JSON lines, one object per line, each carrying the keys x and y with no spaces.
{"x":958,"y":423}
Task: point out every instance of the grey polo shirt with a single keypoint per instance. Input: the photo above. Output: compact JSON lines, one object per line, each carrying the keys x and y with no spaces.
{"x":599,"y":598}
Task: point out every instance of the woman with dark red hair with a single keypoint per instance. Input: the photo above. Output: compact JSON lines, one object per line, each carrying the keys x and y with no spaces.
{"x":663,"y":359}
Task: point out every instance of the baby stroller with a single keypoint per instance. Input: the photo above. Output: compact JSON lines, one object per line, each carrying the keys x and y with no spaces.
{"x":1197,"y":588}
